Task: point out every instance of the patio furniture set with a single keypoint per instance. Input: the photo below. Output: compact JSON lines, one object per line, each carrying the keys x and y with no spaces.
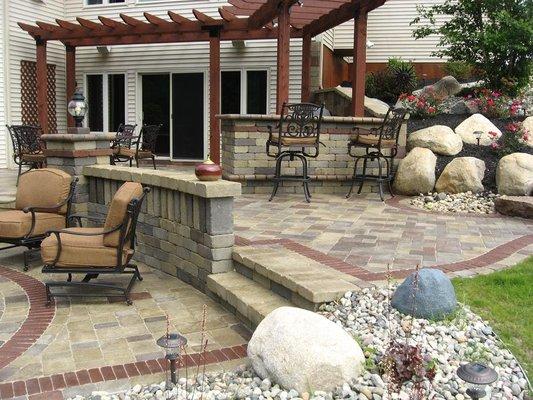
{"x":127,"y":147}
{"x":297,"y":136}
{"x":42,"y":220}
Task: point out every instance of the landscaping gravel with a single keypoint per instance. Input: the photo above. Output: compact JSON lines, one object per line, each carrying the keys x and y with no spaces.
{"x":367,"y":316}
{"x":471,"y":203}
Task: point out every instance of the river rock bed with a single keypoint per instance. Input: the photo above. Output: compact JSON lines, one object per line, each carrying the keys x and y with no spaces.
{"x":367,"y":316}
{"x":468,"y":202}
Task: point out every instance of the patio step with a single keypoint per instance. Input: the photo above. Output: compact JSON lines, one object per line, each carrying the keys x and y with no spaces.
{"x":301,"y":280}
{"x":247,"y":299}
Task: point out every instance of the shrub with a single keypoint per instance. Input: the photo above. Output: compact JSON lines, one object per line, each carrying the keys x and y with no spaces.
{"x":398,"y":77}
{"x":493,"y":104}
{"x":420,"y":106}
{"x":495,"y":37}
{"x":461,"y":70}
{"x":512,"y":139}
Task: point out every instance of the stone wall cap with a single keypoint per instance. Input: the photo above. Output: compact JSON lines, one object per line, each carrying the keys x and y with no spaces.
{"x":90,"y":137}
{"x":179,"y":181}
{"x":273,"y":117}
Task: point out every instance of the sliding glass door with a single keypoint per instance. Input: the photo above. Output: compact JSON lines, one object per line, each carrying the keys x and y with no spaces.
{"x":156,"y":108}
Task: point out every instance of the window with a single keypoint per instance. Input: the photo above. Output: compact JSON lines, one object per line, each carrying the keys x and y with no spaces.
{"x":244,"y":92}
{"x":103,"y":2}
{"x":106,"y":97}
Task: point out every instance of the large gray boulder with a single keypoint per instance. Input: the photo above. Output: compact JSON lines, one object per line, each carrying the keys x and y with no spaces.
{"x":447,"y":86}
{"x":477,"y":122}
{"x":461,"y":175}
{"x":302,"y":350}
{"x":515,"y":206}
{"x":440,"y":139}
{"x":514,"y":174}
{"x":376,"y":107}
{"x":416,"y":172}
{"x":429,"y":295}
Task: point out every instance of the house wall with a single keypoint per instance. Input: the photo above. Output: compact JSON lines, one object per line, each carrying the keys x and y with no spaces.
{"x":3,"y":105}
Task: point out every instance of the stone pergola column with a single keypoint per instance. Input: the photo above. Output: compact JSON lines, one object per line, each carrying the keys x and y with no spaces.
{"x":71,"y":152}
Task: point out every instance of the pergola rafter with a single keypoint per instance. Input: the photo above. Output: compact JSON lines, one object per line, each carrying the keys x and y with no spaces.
{"x":240,"y":20}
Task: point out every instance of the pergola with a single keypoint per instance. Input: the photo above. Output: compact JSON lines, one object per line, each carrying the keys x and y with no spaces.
{"x":241,"y":20}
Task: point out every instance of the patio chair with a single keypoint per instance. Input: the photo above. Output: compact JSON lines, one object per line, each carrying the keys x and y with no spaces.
{"x":27,"y":147}
{"x":297,"y":135}
{"x":122,"y":143}
{"x":42,"y":203}
{"x":93,"y":251}
{"x":374,"y":141}
{"x":144,"y":145}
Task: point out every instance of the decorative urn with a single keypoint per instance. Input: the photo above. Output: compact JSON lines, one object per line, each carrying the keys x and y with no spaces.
{"x":208,"y":171}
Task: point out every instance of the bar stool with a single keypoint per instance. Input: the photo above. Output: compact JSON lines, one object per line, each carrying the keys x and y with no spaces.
{"x":297,"y":136}
{"x":374,"y":141}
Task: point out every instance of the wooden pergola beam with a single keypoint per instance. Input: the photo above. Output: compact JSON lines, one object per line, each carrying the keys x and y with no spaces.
{"x":268,"y":12}
{"x":177,"y":18}
{"x":70,"y":67}
{"x":134,"y":22}
{"x":226,"y":15}
{"x":42,"y":85}
{"x":359,"y":64}
{"x":157,"y":21}
{"x":214,"y":95}
{"x":283,"y":65}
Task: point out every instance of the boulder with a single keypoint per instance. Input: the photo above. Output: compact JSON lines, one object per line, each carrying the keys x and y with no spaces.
{"x":477,"y":122}
{"x":461,"y":175}
{"x":447,"y":86}
{"x":515,"y":206}
{"x":416,"y":172}
{"x":528,"y":126}
{"x":431,"y":295}
{"x":376,"y":107}
{"x":514,"y":174}
{"x":302,"y":350}
{"x":439,"y":139}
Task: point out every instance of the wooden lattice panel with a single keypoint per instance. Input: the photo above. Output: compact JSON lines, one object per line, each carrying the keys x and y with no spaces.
{"x":28,"y":94}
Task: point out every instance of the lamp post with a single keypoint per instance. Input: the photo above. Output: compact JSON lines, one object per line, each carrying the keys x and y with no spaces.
{"x":172,"y":343}
{"x":477,"y":376}
{"x":477,"y":135}
{"x":77,"y":107}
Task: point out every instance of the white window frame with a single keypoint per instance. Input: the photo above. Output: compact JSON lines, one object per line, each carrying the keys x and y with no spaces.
{"x":244,"y":86}
{"x":105,"y":97}
{"x":105,"y":3}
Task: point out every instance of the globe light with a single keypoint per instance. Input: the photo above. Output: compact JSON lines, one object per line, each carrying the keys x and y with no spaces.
{"x":478,"y":376}
{"x":77,"y":107}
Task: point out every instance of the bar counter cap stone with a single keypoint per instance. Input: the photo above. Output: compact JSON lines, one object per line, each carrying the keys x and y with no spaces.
{"x":181,"y":181}
{"x":274,"y":117}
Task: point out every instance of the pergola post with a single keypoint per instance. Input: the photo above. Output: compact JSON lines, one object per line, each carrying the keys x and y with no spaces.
{"x":214,"y":94}
{"x":42,"y":85}
{"x":284,"y":39}
{"x":71,"y":78}
{"x":359,"y":64}
{"x":306,"y":68}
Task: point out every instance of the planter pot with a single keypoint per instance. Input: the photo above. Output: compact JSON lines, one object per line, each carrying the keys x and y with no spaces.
{"x":208,"y":171}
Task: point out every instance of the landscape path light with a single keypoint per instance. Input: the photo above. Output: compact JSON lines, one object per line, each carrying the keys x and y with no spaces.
{"x":478,"y":376}
{"x":172,"y":344}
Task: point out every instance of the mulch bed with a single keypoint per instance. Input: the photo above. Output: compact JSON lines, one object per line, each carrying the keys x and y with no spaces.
{"x":484,"y":153}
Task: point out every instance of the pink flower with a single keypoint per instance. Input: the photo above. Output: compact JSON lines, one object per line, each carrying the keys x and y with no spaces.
{"x":431,"y":110}
{"x":493,"y":134}
{"x":495,"y":145}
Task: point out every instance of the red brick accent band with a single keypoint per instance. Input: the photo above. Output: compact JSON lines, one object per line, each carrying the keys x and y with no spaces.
{"x":497,"y":254}
{"x":49,"y":387}
{"x":77,"y":153}
{"x":39,"y":317}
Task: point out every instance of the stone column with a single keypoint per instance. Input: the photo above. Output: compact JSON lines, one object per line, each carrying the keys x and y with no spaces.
{"x":71,"y":152}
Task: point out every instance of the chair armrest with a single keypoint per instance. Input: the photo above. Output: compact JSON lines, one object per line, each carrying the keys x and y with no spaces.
{"x":58,"y":232}
{"x":84,"y":216}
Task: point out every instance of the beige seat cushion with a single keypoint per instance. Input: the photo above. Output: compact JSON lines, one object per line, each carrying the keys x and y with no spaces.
{"x":372,"y":140}
{"x":294,"y":141}
{"x":43,"y":187}
{"x":17,"y":224}
{"x":82,"y":251}
{"x":117,"y":210}
{"x":124,"y":152}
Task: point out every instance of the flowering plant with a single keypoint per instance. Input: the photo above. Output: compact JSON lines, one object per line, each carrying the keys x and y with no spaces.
{"x":420,"y":106}
{"x":512,"y":140}
{"x":495,"y":105}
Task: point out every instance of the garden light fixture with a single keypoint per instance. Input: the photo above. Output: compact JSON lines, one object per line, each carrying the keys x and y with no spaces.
{"x":477,"y":135}
{"x":77,"y":107}
{"x":477,"y":376}
{"x":172,"y":344}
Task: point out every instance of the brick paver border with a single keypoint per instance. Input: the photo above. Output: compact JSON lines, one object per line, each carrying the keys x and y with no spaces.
{"x":37,"y":321}
{"x":492,"y":256}
{"x":49,"y":387}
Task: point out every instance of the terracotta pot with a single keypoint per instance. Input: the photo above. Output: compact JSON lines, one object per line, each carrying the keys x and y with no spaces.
{"x":208,"y":171}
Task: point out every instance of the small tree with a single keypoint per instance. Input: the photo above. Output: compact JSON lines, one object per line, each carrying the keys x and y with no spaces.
{"x":494,"y":36}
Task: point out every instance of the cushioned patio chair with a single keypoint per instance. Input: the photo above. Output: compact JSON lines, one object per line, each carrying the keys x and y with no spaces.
{"x":143,"y":147}
{"x":122,"y":143}
{"x":379,"y":144}
{"x":95,"y":251}
{"x":42,"y":203}
{"x":27,"y":147}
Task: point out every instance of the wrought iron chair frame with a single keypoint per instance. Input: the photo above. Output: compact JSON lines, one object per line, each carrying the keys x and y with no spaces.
{"x":125,"y":137}
{"x":127,"y":230}
{"x":293,"y":126}
{"x":32,"y":147}
{"x":389,"y":130}
{"x":33,"y":243}
{"x":146,"y":145}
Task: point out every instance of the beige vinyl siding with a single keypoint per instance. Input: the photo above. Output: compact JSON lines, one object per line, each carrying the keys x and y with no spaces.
{"x":22,"y":47}
{"x":389,"y":30}
{"x":4,"y":136}
{"x":177,"y":57}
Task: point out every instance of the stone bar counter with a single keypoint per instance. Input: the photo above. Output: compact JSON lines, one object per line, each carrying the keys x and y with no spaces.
{"x":244,"y":157}
{"x":185,"y":227}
